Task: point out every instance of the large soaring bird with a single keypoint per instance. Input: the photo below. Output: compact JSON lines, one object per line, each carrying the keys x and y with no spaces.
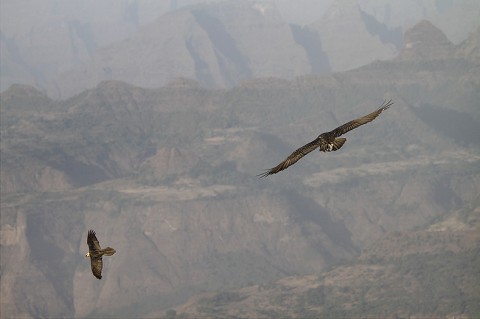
{"x":95,"y":253}
{"x":327,"y":142}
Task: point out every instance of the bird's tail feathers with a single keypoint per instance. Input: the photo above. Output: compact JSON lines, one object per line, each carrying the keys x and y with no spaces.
{"x":338,"y":143}
{"x":108,"y":251}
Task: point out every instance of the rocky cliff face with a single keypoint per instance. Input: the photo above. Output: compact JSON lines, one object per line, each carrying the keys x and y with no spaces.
{"x":213,"y":44}
{"x":409,"y":278}
{"x":40,"y":40}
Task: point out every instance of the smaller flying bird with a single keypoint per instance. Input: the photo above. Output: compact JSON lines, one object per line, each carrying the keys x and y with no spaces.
{"x":95,"y":253}
{"x":328,"y":141}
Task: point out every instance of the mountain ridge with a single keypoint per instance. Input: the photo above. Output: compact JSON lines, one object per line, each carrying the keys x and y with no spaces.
{"x":34,"y":54}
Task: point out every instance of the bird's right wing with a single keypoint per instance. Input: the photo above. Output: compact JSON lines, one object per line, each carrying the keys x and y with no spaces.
{"x":97,"y":264}
{"x":292,"y":159}
{"x":92,"y":241}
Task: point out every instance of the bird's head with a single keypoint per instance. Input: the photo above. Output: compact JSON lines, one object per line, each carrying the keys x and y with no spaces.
{"x":87,"y":254}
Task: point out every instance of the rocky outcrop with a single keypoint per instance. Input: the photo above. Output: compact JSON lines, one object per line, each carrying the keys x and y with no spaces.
{"x":424,"y":41}
{"x":170,"y":161}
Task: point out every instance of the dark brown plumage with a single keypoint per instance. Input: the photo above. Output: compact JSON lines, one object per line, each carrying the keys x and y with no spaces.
{"x":95,"y":252}
{"x":327,"y":142}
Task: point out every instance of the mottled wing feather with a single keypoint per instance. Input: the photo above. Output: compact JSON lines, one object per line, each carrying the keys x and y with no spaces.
{"x":362,"y":120}
{"x":292,"y":159}
{"x":97,"y":265}
{"x":92,"y":241}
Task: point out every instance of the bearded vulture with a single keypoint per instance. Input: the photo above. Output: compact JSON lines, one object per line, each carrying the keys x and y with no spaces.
{"x":327,"y":142}
{"x":95,"y":253}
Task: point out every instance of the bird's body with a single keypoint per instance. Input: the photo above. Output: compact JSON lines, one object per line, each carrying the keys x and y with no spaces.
{"x":95,"y":253}
{"x":328,"y":141}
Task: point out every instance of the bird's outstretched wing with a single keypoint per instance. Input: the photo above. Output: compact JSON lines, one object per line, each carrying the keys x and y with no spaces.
{"x":92,"y":241}
{"x":362,"y":120}
{"x":97,"y":264}
{"x":292,"y":159}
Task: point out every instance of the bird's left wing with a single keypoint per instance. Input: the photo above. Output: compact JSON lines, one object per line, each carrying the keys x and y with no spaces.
{"x":362,"y":120}
{"x":292,"y":159}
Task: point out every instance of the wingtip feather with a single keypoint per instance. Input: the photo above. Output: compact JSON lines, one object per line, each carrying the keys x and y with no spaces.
{"x":264,"y":174}
{"x":386,"y":104}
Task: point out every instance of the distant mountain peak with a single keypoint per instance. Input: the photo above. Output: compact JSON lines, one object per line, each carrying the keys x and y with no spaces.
{"x":425,"y":41}
{"x":24,"y":96}
{"x":23,"y":89}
